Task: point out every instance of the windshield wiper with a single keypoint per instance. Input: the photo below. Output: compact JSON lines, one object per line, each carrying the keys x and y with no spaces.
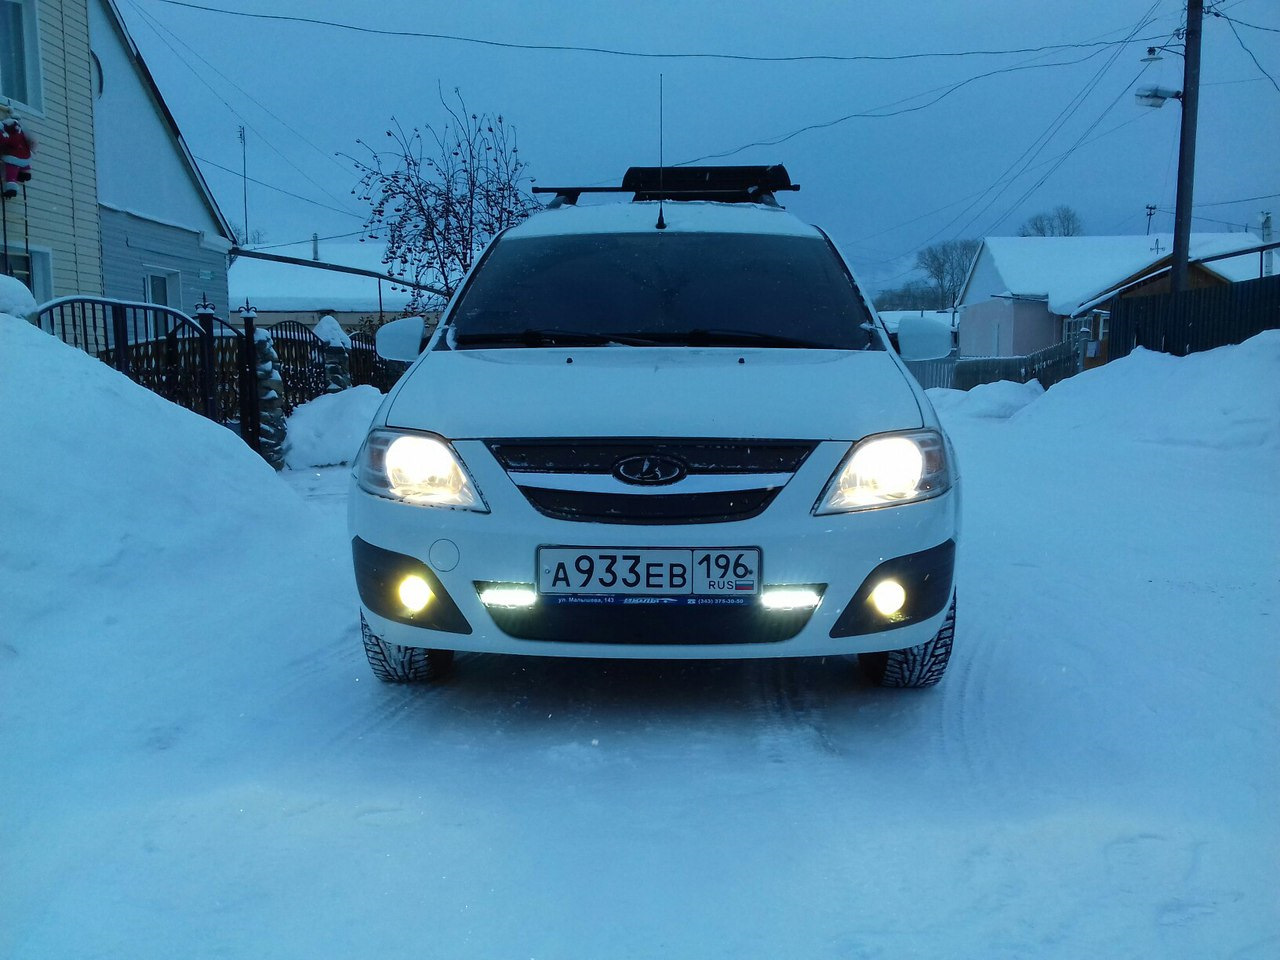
{"x":745,"y":338}
{"x":551,"y":338}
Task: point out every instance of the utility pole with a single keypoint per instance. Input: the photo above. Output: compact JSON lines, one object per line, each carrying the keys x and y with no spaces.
{"x":1266,"y":238}
{"x":1151,"y":212}
{"x":1187,"y":147}
{"x":245,"y":181}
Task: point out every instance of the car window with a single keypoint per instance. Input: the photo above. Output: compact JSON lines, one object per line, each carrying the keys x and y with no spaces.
{"x":694,"y":288}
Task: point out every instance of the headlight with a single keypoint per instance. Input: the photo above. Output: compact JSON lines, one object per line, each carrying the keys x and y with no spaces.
{"x":886,"y":470}
{"x":418,"y":468}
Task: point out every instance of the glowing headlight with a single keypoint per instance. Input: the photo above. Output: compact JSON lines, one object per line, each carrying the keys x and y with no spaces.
{"x":417,"y":468}
{"x":886,"y":470}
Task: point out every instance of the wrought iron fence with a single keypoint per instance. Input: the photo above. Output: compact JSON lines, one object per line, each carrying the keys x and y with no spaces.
{"x":369,"y":368}
{"x":207,"y":368}
{"x":301,"y":362}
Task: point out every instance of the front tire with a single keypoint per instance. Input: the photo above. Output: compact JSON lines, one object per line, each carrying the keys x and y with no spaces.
{"x":921,"y":666}
{"x":392,"y":663}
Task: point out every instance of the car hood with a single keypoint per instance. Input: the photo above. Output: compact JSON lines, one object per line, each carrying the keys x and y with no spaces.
{"x":655,"y":392}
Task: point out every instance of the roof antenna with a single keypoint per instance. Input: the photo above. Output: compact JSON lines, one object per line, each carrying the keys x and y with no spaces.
{"x":662,"y":224}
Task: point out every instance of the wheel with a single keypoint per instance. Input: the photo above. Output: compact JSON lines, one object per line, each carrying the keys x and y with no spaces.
{"x":392,"y":663}
{"x":921,"y":666}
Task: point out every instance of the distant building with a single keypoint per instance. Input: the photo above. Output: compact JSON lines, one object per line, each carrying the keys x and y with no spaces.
{"x":282,"y":291}
{"x":1023,"y":294}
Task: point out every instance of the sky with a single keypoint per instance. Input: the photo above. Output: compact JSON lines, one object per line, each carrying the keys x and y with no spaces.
{"x":1062,"y":127}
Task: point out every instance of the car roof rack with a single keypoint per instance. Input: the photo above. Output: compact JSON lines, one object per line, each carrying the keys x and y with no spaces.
{"x":721,"y":184}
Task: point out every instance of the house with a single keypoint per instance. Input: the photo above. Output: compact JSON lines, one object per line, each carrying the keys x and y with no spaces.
{"x":116,"y":205}
{"x":283,"y":291}
{"x":1023,"y":294}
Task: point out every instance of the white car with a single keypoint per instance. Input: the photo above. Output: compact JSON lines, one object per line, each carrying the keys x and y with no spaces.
{"x":665,"y":428}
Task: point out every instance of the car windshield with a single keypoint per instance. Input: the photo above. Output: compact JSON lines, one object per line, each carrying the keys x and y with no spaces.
{"x":655,"y":288}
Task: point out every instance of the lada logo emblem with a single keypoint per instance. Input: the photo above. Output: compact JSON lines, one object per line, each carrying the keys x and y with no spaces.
{"x":650,"y":471}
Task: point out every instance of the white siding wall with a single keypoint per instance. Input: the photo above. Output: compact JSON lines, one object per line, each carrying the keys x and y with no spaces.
{"x":132,"y":247}
{"x":61,"y":215}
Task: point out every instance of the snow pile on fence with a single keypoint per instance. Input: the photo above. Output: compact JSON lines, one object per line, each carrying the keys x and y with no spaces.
{"x":330,"y":331}
{"x":329,"y":429}
{"x":15,"y":298}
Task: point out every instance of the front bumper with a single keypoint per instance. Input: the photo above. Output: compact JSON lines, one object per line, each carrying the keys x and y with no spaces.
{"x":462,"y":551}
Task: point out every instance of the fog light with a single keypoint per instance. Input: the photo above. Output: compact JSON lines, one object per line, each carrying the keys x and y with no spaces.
{"x":513,"y":596}
{"x":415,"y":593}
{"x":790,"y":598}
{"x":888,"y":597}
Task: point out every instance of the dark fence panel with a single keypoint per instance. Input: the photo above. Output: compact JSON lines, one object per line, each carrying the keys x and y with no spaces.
{"x":1049,"y":366}
{"x":301,"y":362}
{"x":366,"y":366}
{"x":207,"y":371}
{"x":1194,"y":320}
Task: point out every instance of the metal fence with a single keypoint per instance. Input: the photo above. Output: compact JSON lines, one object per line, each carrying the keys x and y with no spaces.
{"x":206,"y":366}
{"x":1049,"y":366}
{"x":369,"y":368}
{"x":1194,"y":320}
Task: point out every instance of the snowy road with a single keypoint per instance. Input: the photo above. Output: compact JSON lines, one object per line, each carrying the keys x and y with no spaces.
{"x":1097,"y":776}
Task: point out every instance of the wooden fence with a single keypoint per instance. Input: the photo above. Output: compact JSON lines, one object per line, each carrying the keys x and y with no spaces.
{"x":1195,"y":320}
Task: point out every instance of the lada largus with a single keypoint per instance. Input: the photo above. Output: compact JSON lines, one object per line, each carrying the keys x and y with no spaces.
{"x":665,"y":428}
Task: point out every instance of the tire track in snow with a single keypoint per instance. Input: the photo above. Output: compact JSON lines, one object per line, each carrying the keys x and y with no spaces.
{"x":786,"y":715}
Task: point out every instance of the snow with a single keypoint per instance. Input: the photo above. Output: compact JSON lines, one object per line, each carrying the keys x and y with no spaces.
{"x":1071,"y":271}
{"x":330,"y":429}
{"x":330,"y":331}
{"x":892,"y":318}
{"x":684,"y":216}
{"x":15,"y":299}
{"x":195,"y":760}
{"x":999,"y":400}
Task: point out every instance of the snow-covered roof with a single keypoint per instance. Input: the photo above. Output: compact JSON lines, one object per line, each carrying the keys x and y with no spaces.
{"x":283,"y":287}
{"x":680,"y":217}
{"x":1071,"y":271}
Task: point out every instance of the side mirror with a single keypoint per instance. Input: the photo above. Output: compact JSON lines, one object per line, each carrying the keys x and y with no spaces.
{"x":401,"y":339}
{"x":924,"y":338}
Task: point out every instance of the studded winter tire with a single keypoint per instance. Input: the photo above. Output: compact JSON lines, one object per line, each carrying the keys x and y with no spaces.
{"x":393,"y":663}
{"x":921,"y":666}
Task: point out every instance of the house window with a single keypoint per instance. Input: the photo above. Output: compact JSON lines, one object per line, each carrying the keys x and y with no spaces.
{"x":19,"y":53}
{"x":163,"y":287}
{"x":33,"y":269}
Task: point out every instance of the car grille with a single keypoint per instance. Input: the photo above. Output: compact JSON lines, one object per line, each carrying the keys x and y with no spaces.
{"x":722,"y":480}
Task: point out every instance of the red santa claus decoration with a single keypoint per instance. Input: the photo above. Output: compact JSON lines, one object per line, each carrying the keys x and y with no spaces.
{"x":16,"y":147}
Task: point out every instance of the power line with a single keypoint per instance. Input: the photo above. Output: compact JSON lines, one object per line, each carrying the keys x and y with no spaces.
{"x":872,"y":115}
{"x":289,"y":193}
{"x":649,"y":55}
{"x":1225,"y":223}
{"x":1223,"y":203}
{"x":199,"y":76}
{"x":1251,"y":26}
{"x":294,"y":243}
{"x":154,"y":22}
{"x":1236,"y":33}
{"x":1039,"y":144}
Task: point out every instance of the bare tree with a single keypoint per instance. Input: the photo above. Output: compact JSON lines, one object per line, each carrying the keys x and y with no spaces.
{"x":440,"y":194}
{"x":912,"y":295}
{"x":1061,"y":221}
{"x":947,"y":264}
{"x":241,"y":239}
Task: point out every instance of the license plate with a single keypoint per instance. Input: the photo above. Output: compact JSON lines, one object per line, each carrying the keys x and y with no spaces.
{"x":616,"y":573}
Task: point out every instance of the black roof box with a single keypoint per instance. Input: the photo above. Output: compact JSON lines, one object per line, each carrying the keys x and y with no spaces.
{"x":725,"y":184}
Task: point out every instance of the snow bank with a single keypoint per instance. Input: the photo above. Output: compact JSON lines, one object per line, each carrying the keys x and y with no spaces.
{"x":15,"y":299}
{"x":997,"y":401}
{"x":330,"y":429}
{"x":331,"y":332}
{"x":1224,"y":398}
{"x":108,"y":482}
